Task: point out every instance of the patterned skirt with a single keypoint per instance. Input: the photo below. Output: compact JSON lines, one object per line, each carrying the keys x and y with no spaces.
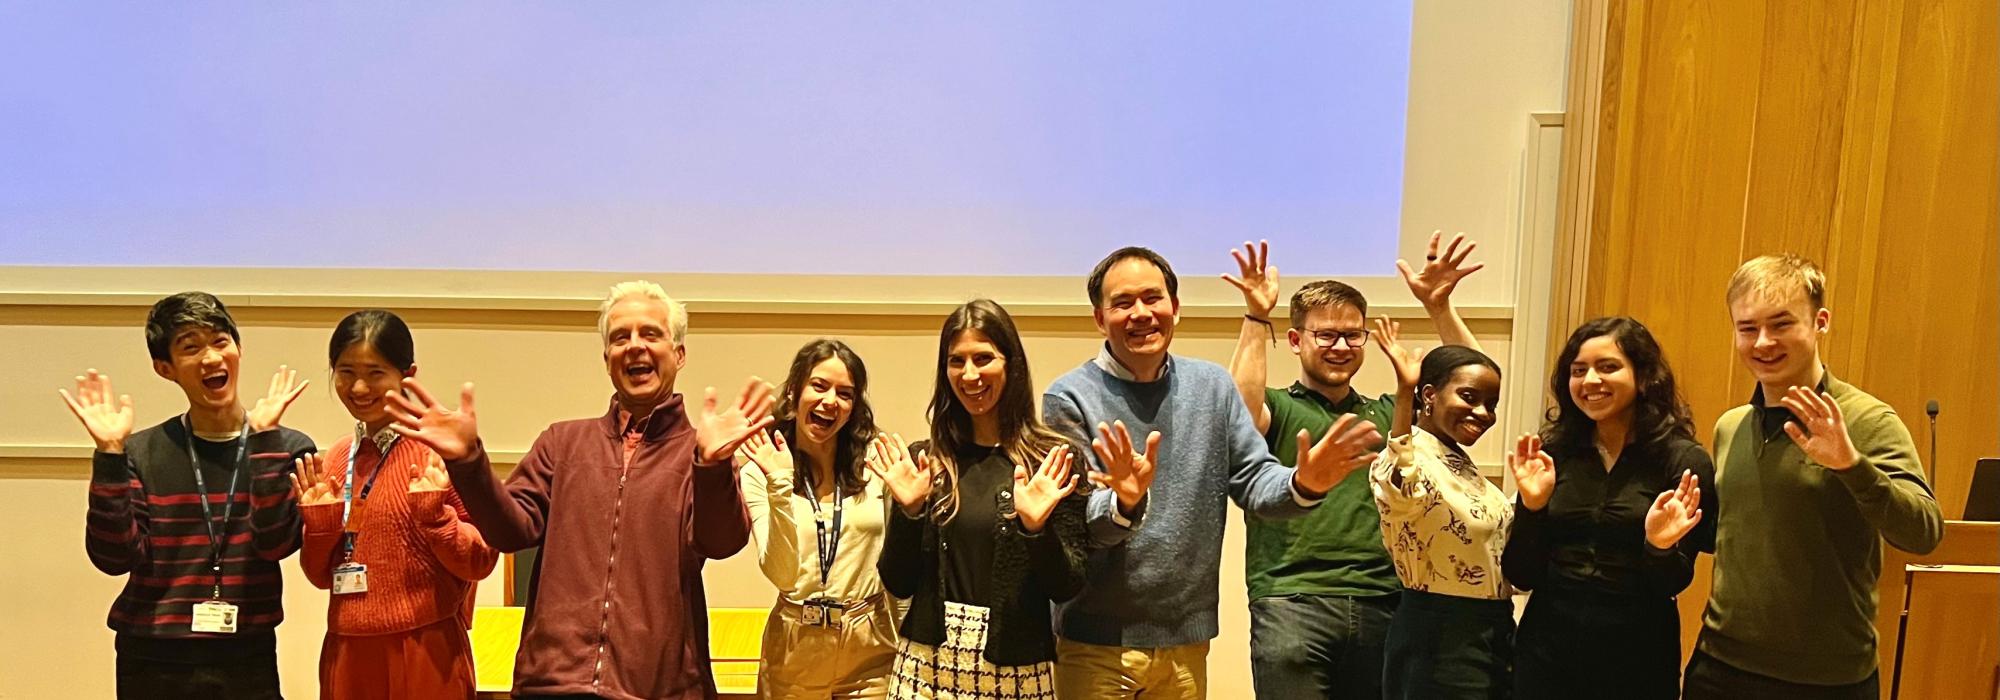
{"x":956,"y":670}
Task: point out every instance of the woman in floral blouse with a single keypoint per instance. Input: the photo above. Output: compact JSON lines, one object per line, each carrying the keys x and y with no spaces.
{"x":1446,"y":528}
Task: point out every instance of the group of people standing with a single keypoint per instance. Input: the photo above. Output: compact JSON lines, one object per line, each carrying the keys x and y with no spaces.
{"x":1072,"y":552}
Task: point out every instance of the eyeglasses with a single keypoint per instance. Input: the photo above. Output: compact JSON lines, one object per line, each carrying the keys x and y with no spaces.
{"x":1325,"y":339}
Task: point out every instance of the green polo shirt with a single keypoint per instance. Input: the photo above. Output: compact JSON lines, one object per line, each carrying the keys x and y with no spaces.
{"x":1337,"y":549}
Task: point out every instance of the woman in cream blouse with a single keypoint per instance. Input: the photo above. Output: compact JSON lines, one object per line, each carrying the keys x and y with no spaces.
{"x":817,"y":520}
{"x":1445,"y":526}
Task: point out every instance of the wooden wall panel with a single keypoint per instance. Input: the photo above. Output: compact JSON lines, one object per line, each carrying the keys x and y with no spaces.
{"x":1864,"y":134}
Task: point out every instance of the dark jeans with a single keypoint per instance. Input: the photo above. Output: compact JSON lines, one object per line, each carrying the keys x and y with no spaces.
{"x":1708,"y":678}
{"x":254,"y":678}
{"x":1318,"y":646}
{"x":1445,"y":647}
{"x":1579,"y":644}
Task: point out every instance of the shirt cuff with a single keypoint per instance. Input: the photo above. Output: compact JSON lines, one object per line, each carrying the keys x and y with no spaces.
{"x":1299,"y":497}
{"x":1118,"y":518}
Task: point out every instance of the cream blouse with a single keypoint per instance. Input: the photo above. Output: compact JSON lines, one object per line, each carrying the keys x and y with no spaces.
{"x":782,"y":527}
{"x":1444,"y":525}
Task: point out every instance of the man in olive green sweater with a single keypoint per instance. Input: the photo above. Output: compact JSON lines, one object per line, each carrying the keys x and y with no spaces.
{"x":1813,"y":474}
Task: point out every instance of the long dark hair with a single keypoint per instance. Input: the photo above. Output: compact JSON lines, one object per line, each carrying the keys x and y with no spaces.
{"x":1658,"y":412}
{"x":1023,"y":437}
{"x":850,"y":446}
{"x":382,"y":330}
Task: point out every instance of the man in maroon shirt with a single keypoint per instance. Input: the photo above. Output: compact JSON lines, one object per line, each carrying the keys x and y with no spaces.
{"x":626,"y":508}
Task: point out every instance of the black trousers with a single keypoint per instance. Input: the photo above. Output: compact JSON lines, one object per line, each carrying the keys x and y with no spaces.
{"x":1710,"y":679}
{"x":1580,"y":644}
{"x":247,"y":678}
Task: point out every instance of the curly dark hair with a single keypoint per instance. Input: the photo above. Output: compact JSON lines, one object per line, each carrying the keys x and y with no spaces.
{"x":851,"y":446}
{"x":1658,"y":412}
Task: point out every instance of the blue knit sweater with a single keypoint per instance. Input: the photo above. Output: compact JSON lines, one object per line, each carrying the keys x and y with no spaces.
{"x":1155,"y":584}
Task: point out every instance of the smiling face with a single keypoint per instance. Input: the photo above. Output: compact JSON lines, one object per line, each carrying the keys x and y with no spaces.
{"x":1327,"y":358}
{"x":640,"y":353}
{"x":203,"y":361}
{"x":1137,"y":314}
{"x":825,"y":402}
{"x":1601,"y":380}
{"x":363,"y":380}
{"x":977,"y":372}
{"x":1777,"y":337}
{"x":1463,"y":409}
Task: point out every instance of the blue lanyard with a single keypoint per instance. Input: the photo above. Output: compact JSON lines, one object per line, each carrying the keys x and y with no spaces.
{"x":829,"y":543}
{"x":347,"y":498}
{"x":216,"y":536}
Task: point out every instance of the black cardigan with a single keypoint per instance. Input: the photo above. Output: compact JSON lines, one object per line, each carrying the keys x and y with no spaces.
{"x":1030,"y":573}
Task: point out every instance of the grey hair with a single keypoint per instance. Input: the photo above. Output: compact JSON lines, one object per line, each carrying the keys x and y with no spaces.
{"x":677,"y":315}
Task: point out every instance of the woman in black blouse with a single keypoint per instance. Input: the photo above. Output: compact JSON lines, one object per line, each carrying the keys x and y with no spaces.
{"x":980,"y":543}
{"x":1609,"y":522}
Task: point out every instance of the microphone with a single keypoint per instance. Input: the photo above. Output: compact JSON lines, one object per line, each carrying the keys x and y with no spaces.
{"x":1931,"y":409}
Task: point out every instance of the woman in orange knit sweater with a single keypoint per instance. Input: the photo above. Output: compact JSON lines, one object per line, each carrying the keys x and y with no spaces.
{"x":385,"y":532}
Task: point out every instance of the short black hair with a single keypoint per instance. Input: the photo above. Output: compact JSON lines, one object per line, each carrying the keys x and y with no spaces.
{"x":173,"y":313}
{"x":1127,"y":253}
{"x":382,"y":330}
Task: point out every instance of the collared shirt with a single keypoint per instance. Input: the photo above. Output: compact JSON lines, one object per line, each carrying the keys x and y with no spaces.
{"x":1337,"y":549}
{"x":1591,"y":535}
{"x":1444,"y":524}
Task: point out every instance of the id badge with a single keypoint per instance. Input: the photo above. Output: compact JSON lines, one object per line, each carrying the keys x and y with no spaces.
{"x":813,"y":615}
{"x":350,"y":578}
{"x":215,"y":617}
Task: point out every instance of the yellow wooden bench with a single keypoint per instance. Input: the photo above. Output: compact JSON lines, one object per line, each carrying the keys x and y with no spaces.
{"x":735,"y":644}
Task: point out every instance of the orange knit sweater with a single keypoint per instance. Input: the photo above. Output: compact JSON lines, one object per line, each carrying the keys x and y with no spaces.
{"x":423,"y":555}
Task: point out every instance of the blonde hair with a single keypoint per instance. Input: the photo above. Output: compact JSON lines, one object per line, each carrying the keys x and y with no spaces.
{"x":677,"y":315}
{"x":1772,"y":276}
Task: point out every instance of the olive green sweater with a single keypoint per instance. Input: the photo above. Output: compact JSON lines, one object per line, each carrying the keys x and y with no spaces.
{"x":1799,"y":546}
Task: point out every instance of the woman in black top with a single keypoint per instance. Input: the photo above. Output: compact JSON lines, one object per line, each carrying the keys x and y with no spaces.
{"x":981,"y":545}
{"x":1610,"y":519}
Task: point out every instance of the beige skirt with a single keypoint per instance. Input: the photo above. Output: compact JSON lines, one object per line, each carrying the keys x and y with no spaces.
{"x":956,"y":670}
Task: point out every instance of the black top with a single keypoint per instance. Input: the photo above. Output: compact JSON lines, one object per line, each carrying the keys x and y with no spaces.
{"x":1592,"y":535}
{"x":983,"y":558}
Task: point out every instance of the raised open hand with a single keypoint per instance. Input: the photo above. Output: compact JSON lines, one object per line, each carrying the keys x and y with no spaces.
{"x":1127,"y":471}
{"x":1534,"y":472}
{"x":1406,"y":361}
{"x":429,"y":476}
{"x":108,"y":419}
{"x":768,"y":451}
{"x":1820,"y":430}
{"x":312,"y":482}
{"x":285,"y":388}
{"x":909,"y":481}
{"x":448,"y":432}
{"x":1348,"y":445}
{"x":1675,"y":513}
{"x":1036,"y":496}
{"x":717,"y":433}
{"x":1259,"y":280}
{"x":1432,"y":286}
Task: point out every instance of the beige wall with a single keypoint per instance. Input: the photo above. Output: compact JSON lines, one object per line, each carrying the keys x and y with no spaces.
{"x":527,"y":340}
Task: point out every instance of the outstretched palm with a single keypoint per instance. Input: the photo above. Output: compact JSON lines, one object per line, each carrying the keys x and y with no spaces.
{"x":768,"y":451}
{"x":1127,"y":471}
{"x":718,"y":432}
{"x":1036,"y":496}
{"x":1675,"y":513}
{"x":285,"y":388}
{"x":1432,"y":286}
{"x":448,"y":432}
{"x":1259,"y":280}
{"x":909,"y":481}
{"x":108,"y":419}
{"x":1534,"y":472}
{"x":312,"y":482}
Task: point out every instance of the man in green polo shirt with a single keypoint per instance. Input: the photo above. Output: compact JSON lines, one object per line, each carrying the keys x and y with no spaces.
{"x":1322,"y":588}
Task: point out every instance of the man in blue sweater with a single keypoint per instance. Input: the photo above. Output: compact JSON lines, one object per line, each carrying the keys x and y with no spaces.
{"x":1142,"y":627}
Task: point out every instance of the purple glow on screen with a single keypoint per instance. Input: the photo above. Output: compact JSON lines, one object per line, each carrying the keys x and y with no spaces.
{"x":877,"y":138}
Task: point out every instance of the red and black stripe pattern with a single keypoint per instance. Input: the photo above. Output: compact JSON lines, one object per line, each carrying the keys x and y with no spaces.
{"x":146,"y":522}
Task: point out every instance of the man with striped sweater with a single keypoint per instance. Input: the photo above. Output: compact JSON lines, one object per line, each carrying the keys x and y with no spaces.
{"x":195,"y":512}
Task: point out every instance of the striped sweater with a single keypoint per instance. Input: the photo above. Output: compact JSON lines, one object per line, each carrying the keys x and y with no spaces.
{"x":423,"y":555}
{"x":146,"y":523}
